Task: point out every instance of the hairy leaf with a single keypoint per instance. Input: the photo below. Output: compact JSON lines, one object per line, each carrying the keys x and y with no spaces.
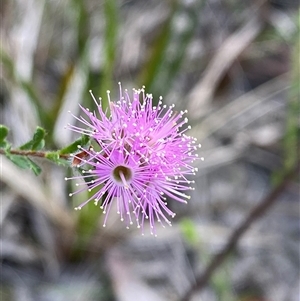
{"x":37,"y":142}
{"x":73,"y":147}
{"x":55,"y":157}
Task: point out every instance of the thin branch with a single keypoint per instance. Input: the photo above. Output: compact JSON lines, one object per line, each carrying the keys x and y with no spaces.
{"x":254,"y":215}
{"x":30,"y":153}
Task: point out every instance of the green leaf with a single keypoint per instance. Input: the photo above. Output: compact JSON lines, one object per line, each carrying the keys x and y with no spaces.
{"x":73,"y":147}
{"x":24,"y":163}
{"x":4,"y":144}
{"x":26,"y":146}
{"x":34,"y":167}
{"x":20,"y":161}
{"x":3,"y":133}
{"x":55,"y":157}
{"x":37,"y":141}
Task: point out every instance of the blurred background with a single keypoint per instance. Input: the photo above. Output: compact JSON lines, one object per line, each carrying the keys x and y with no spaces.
{"x":234,"y":65}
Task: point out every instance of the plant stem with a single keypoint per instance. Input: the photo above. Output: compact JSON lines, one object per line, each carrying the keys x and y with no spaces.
{"x":30,"y":153}
{"x":236,"y":235}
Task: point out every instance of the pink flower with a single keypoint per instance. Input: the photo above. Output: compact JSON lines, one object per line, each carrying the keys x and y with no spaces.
{"x":143,"y":156}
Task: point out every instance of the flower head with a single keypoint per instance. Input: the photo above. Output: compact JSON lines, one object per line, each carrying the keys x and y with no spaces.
{"x":143,"y":156}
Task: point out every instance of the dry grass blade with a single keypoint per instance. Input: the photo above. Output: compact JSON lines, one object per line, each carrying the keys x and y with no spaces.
{"x":223,"y":59}
{"x":239,"y":106}
{"x":26,"y":33}
{"x":26,"y":186}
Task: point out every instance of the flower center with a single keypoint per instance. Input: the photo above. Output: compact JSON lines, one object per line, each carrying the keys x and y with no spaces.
{"x":122,"y":175}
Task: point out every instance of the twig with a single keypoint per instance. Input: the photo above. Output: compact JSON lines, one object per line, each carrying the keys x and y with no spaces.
{"x":31,"y":153}
{"x":255,"y":214}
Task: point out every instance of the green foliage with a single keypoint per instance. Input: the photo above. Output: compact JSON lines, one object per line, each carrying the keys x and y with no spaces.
{"x":3,"y":135}
{"x":23,"y":162}
{"x":73,"y":147}
{"x":55,"y":158}
{"x":37,"y":141}
{"x":33,"y":147}
{"x":21,"y":159}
